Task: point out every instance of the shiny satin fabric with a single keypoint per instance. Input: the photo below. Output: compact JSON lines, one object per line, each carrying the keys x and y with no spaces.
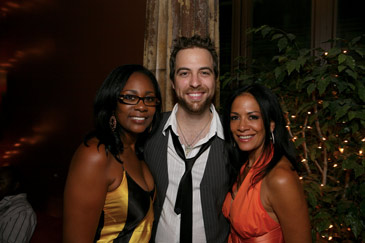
{"x":249,"y":220}
{"x":127,"y":215}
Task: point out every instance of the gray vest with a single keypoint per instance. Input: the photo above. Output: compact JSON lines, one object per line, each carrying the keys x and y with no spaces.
{"x":213,"y":188}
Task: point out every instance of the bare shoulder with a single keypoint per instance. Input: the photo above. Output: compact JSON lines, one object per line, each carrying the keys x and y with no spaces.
{"x":282,"y":177}
{"x":90,"y":156}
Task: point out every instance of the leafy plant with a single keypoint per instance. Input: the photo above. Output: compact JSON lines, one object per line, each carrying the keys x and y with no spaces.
{"x":322,"y":94}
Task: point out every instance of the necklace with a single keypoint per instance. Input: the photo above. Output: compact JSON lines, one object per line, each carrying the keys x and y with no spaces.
{"x":189,"y":147}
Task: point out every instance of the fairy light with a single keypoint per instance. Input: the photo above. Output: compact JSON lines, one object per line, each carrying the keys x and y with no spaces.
{"x":17,"y":145}
{"x":360,"y":152}
{"x":346,"y":141}
{"x":349,"y":229}
{"x":344,"y":51}
{"x":300,"y":177}
{"x":341,"y":150}
{"x":295,"y":137}
{"x":326,"y":53}
{"x":331,"y":226}
{"x":319,"y":147}
{"x":293,"y":116}
{"x":323,"y":138}
{"x":363,"y":140}
{"x":320,"y":102}
{"x":329,"y":237}
{"x":335,"y":165}
{"x":322,"y":185}
{"x":309,"y":112}
{"x":309,"y":127}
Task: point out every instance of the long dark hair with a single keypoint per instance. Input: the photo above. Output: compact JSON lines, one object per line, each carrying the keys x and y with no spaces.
{"x":270,"y":111}
{"x":105,"y":104}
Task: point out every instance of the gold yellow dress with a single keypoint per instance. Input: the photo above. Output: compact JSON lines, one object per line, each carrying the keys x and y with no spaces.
{"x":127,"y":215}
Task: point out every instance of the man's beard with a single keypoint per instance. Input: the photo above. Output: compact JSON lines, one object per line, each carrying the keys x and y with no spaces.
{"x":195,"y":107}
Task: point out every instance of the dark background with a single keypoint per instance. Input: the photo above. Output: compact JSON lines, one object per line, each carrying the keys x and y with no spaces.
{"x":54,"y":55}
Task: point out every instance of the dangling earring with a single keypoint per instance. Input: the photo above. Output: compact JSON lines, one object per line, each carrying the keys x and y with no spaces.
{"x":113,"y":123}
{"x":272,"y":137}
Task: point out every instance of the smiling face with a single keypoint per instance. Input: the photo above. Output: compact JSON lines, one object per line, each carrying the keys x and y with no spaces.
{"x":194,"y":79}
{"x":136,"y":118}
{"x":247,"y":125}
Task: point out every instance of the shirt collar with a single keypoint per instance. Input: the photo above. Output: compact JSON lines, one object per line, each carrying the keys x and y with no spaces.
{"x":215,"y":127}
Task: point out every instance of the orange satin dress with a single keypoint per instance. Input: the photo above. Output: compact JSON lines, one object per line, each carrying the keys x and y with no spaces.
{"x":249,"y":220}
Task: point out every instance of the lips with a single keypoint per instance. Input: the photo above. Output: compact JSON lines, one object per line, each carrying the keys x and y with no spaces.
{"x":195,"y":95}
{"x":138,"y":118}
{"x":245,"y":137}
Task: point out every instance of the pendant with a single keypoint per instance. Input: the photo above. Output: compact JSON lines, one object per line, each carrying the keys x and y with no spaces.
{"x":188,"y":150}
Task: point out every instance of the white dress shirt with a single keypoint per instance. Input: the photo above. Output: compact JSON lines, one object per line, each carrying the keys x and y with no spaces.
{"x":168,"y":229}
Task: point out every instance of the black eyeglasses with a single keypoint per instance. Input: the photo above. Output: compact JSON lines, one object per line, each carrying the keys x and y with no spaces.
{"x":134,"y":100}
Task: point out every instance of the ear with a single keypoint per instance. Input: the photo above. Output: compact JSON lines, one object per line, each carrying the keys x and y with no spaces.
{"x":272,"y":126}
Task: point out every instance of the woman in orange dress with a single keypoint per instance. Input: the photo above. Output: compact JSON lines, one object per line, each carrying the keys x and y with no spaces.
{"x":266,"y":202}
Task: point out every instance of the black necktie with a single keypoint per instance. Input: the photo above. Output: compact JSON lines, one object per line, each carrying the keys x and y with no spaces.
{"x":184,"y":198}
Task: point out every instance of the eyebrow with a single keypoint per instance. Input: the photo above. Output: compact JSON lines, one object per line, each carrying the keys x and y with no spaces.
{"x":135,"y":91}
{"x":188,"y":69}
{"x":249,"y":113}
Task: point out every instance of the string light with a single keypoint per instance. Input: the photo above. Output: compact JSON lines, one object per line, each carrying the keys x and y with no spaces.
{"x":322,"y":185}
{"x":344,"y":51}
{"x":346,"y":141}
{"x":309,"y":127}
{"x":329,"y":237}
{"x":304,"y":160}
{"x":319,"y":147}
{"x":341,"y":150}
{"x":326,"y":53}
{"x":363,"y":140}
{"x":300,"y":177}
{"x":331,"y":226}
{"x":360,"y":152}
{"x":293,"y":116}
{"x":335,"y":165}
{"x":323,"y":138}
{"x":309,"y":112}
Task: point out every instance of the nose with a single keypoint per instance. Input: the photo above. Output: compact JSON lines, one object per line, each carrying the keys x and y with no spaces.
{"x":242,"y":125}
{"x":140,"y":106}
{"x":195,"y":81}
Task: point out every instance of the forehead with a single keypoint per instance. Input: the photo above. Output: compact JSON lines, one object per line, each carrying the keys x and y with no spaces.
{"x":138,"y":81}
{"x":245,"y":102}
{"x":193,"y":57}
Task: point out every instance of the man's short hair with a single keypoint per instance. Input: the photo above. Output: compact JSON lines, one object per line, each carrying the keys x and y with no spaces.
{"x":182,"y":43}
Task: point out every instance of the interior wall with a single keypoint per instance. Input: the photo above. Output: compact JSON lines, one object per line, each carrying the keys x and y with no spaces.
{"x":55,"y":55}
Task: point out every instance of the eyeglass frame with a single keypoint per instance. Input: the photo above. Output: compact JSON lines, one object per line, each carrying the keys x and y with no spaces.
{"x":121,"y":101}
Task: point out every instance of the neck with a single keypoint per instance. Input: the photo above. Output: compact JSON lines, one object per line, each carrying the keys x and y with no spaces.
{"x":193,"y":120}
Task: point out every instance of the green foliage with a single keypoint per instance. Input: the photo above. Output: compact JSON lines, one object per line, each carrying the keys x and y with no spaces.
{"x":322,"y":94}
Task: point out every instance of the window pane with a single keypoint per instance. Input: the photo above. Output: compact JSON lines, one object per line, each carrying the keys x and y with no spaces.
{"x":351,"y":19}
{"x":290,"y":16}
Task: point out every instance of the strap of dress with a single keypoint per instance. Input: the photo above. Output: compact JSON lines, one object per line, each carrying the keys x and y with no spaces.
{"x":274,"y":236}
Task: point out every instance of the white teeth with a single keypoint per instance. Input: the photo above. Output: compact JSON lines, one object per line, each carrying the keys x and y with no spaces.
{"x":139,"y":118}
{"x":244,"y":137}
{"x":195,"y":95}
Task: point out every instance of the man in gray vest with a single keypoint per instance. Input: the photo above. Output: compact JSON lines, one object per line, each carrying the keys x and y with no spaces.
{"x":186,"y":155}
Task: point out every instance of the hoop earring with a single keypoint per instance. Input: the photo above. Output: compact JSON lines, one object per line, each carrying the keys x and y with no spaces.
{"x":113,"y":123}
{"x":272,"y":137}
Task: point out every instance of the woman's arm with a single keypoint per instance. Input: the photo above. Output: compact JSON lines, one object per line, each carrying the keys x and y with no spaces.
{"x":85,"y":193}
{"x":286,"y":197}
